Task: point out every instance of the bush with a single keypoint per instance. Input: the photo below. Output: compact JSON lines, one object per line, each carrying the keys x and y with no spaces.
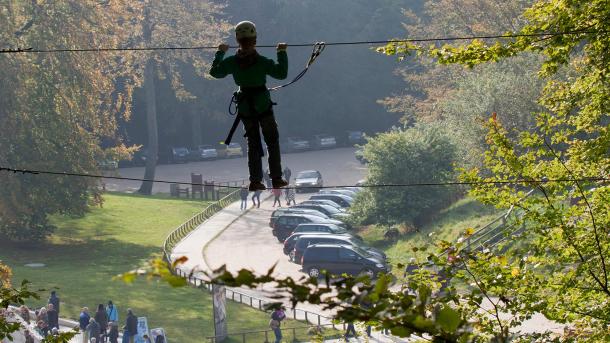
{"x":421,"y":154}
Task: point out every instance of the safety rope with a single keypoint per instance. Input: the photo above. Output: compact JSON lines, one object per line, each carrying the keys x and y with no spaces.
{"x":601,"y":179}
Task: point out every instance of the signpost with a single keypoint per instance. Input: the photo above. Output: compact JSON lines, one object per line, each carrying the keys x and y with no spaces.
{"x":219,"y":302}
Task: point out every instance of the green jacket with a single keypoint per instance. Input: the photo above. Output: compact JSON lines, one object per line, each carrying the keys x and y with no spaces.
{"x":253,"y":76}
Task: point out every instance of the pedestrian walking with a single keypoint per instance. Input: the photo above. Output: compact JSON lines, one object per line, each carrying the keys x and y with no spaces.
{"x":54,"y":300}
{"x":52,"y":317}
{"x":126,"y":335}
{"x":94,"y":330}
{"x":351,"y":329}
{"x":102,"y":319}
{"x":42,"y":316}
{"x":113,"y":312}
{"x":83,"y":321}
{"x":275,"y":326}
{"x":287,"y":174}
{"x":277,"y":194}
{"x":132,"y":325}
{"x":113,"y":332}
{"x":243,"y":194}
{"x":290,"y":196}
{"x":256,"y":199}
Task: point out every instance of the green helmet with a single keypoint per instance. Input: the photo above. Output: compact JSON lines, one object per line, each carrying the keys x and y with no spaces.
{"x":245,"y":29}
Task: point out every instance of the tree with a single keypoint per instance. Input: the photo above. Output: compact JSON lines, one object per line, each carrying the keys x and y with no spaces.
{"x":58,"y":108}
{"x":563,"y":254}
{"x":423,"y":153}
{"x":179,"y":23}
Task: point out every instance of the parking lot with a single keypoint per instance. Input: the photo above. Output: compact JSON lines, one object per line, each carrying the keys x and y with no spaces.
{"x":338,"y":166}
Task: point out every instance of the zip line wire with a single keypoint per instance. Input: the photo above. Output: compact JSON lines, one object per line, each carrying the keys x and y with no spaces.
{"x":374,"y":42}
{"x":394,"y":185}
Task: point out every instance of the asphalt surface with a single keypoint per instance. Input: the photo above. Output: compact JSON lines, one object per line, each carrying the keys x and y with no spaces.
{"x":338,"y":166}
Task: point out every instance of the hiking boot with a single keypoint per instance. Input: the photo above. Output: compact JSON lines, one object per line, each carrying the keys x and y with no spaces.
{"x":279,"y":183}
{"x":256,"y":186}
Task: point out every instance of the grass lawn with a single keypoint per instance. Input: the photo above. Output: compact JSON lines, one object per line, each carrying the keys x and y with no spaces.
{"x":85,"y":253}
{"x":466,"y":213}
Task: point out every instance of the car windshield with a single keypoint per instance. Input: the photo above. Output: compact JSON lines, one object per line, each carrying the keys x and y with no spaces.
{"x":307,"y":175}
{"x":330,"y":209}
{"x":361,"y":252}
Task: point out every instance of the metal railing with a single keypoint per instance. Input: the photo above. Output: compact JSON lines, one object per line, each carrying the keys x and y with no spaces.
{"x":291,"y":334}
{"x":185,"y":228}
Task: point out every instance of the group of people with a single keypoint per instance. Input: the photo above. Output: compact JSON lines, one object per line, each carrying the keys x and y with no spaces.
{"x":277,"y":193}
{"x":103,"y":326}
{"x":46,"y":318}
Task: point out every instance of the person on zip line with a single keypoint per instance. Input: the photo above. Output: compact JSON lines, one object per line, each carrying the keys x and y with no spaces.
{"x":254,"y":105}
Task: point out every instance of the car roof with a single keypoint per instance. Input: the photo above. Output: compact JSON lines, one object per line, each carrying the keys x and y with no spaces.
{"x":343,"y":237}
{"x":332,"y":195}
{"x":308,"y":171}
{"x":329,"y":245}
{"x":300,"y":215}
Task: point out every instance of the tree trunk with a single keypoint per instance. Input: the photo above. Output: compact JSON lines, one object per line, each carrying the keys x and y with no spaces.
{"x":152,"y":148}
{"x":196,"y":138}
{"x":151,"y":126}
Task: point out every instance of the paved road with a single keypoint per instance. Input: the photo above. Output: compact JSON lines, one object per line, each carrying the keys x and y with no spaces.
{"x":336,"y":165}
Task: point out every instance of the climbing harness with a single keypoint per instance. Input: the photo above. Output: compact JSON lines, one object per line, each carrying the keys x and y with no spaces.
{"x":317,"y":49}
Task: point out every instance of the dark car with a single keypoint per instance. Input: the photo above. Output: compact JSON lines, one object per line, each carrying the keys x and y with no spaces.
{"x":323,"y":202}
{"x":308,"y":180}
{"x":328,"y":210}
{"x":296,"y":144}
{"x":289,"y":210}
{"x":338,"y":259}
{"x":292,"y":240}
{"x":179,"y":155}
{"x":324,"y":141}
{"x":304,"y":241}
{"x":285,"y":224}
{"x":343,"y":200}
{"x":347,"y":192}
{"x":355,"y":137}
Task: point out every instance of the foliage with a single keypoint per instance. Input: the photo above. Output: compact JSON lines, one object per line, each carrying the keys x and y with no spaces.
{"x":562,"y":256}
{"x":423,"y":153}
{"x":461,"y":97}
{"x":5,"y":275}
{"x":57,"y":109}
{"x":85,"y":253}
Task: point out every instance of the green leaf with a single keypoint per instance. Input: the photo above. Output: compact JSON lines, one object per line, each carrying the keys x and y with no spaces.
{"x":448,"y":319}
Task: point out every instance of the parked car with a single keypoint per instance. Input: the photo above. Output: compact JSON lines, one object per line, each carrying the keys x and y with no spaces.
{"x":308,"y":180}
{"x":343,"y":200}
{"x":292,"y":240}
{"x":285,"y":224}
{"x":304,"y":241}
{"x":229,"y":151}
{"x":320,"y":228}
{"x":338,"y":259}
{"x":108,"y":164}
{"x":289,"y":210}
{"x":328,"y":210}
{"x":338,"y":191}
{"x":324,"y":141}
{"x":205,"y":152}
{"x":296,"y":144}
{"x":356,"y":137}
{"x":179,"y":155}
{"x":323,"y":202}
